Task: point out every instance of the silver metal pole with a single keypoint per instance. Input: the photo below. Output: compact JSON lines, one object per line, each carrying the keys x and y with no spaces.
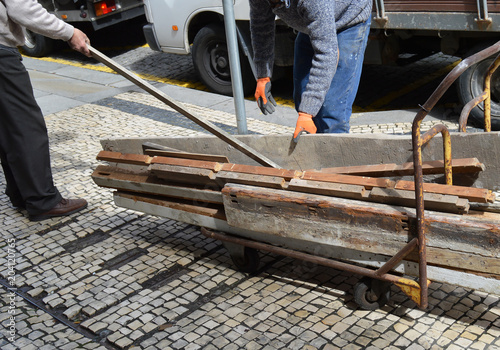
{"x":234,"y":65}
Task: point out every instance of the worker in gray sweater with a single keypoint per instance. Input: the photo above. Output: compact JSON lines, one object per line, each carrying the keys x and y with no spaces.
{"x":24,"y":144}
{"x":329,"y":51}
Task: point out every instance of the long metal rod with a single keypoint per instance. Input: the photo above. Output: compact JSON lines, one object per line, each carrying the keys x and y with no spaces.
{"x":234,"y":65}
{"x":309,"y":257}
{"x":250,"y":152}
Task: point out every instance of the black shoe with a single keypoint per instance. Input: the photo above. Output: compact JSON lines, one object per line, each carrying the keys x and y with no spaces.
{"x":63,"y":208}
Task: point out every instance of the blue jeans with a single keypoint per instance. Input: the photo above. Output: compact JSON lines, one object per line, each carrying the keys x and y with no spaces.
{"x":335,"y":113}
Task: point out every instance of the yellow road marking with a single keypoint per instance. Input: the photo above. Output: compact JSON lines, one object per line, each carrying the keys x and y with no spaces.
{"x":191,"y":85}
{"x":375,"y":106}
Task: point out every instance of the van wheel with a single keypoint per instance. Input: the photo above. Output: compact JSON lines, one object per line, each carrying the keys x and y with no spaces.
{"x":36,"y":45}
{"x":471,"y":84}
{"x":211,"y":61}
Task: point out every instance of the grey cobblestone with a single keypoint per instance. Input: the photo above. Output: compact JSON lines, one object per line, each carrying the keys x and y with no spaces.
{"x":204,"y":303}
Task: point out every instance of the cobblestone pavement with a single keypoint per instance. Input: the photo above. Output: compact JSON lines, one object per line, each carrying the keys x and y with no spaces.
{"x":111,"y":278}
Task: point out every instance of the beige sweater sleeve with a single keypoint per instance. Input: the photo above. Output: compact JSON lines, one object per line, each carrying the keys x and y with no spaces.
{"x":15,"y":14}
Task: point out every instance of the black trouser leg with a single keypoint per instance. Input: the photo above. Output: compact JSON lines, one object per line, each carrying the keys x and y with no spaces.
{"x":24,"y":143}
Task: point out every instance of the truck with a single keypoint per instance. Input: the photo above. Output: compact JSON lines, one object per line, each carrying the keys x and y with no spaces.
{"x":96,"y":14}
{"x":415,"y":28}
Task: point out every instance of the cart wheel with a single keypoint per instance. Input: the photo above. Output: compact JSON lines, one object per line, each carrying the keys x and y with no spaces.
{"x":372,"y":294}
{"x":248,"y":262}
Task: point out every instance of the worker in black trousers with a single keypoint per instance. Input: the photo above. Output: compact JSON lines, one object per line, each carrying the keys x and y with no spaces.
{"x":24,"y":143}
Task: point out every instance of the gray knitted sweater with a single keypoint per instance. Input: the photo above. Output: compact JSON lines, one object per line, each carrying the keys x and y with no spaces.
{"x":320,"y":19}
{"x":15,"y":14}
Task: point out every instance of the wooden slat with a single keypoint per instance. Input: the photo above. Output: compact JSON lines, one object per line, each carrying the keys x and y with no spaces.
{"x":459,"y":166}
{"x":142,"y":182}
{"x":259,"y":170}
{"x":182,"y":174}
{"x":473,"y":194}
{"x":140,"y":159}
{"x":205,"y":209}
{"x":368,"y":182}
{"x":250,"y":179}
{"x":186,"y":155}
{"x":201,"y":164}
{"x":432,"y":201}
{"x":124,"y":158}
{"x":327,"y":188}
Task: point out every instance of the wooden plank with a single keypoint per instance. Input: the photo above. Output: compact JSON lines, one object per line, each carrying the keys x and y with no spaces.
{"x":223,"y":135}
{"x":117,"y":178}
{"x":368,"y":182}
{"x":458,"y":241}
{"x":201,"y":164}
{"x":182,"y":174}
{"x":460,"y":166}
{"x":250,"y":179}
{"x":124,"y":158}
{"x":473,"y":194}
{"x":186,"y":155}
{"x":327,"y":188}
{"x":205,"y":209}
{"x":140,"y":159}
{"x":259,"y":170}
{"x":432,"y":201}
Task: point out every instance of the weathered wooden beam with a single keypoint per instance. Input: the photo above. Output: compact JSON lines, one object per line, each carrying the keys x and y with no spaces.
{"x":473,"y":194}
{"x":469,"y":243}
{"x":464,"y":165}
{"x":142,"y":182}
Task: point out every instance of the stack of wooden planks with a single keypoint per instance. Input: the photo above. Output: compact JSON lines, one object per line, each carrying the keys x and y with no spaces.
{"x":343,"y":211}
{"x":180,"y":176}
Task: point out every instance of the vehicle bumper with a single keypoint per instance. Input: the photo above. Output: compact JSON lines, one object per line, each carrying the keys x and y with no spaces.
{"x":149,"y":34}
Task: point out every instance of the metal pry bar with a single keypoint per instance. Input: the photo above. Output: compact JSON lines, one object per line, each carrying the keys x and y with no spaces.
{"x":231,"y":140}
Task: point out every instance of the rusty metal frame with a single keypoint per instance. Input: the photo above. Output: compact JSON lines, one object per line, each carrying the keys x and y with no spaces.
{"x":418,"y":141}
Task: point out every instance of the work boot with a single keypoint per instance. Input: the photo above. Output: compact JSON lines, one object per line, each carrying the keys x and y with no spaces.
{"x":63,"y":208}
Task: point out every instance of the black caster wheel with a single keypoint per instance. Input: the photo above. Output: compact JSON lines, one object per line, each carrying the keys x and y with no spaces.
{"x":248,"y":262}
{"x":371,"y":294}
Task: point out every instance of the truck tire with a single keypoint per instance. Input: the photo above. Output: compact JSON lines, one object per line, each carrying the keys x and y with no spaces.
{"x":471,"y":84}
{"x":36,"y":45}
{"x":211,"y":61}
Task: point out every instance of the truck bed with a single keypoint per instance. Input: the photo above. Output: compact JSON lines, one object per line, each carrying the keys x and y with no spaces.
{"x":438,"y":5}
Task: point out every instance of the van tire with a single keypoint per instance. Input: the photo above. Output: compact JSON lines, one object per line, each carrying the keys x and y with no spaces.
{"x":36,"y":45}
{"x":471,"y":84}
{"x":211,"y":61}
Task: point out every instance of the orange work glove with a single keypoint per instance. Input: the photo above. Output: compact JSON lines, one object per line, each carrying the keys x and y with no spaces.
{"x":304,"y":123}
{"x":263,"y":95}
